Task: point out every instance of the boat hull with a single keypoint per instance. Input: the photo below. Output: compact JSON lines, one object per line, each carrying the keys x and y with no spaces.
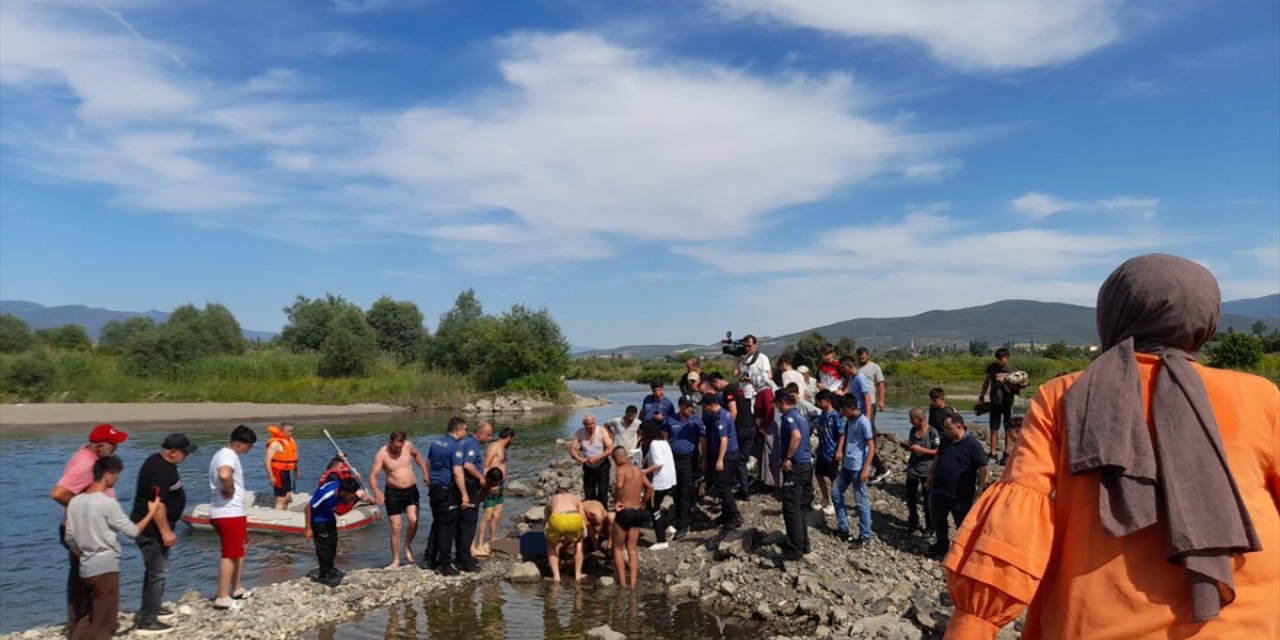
{"x":292,"y":521}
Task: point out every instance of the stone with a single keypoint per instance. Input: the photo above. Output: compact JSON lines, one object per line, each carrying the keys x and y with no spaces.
{"x":605,"y":633}
{"x":186,"y":610}
{"x":484,"y":405}
{"x":879,"y":607}
{"x":534,"y":514}
{"x":728,"y":588}
{"x":764,"y":611}
{"x":607,"y":581}
{"x":517,"y":489}
{"x":509,"y":546}
{"x":813,"y":606}
{"x":685,"y":589}
{"x":525,"y":572}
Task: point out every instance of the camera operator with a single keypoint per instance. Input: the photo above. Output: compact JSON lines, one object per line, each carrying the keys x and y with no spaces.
{"x":755,"y":365}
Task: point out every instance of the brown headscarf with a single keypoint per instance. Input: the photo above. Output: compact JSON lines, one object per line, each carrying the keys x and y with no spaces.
{"x":1166,"y":306}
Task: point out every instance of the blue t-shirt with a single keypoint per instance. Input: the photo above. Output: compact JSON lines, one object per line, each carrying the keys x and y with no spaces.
{"x":443,"y":455}
{"x":830,"y":426}
{"x":857,"y":433}
{"x":652,"y":406}
{"x":683,"y":433}
{"x":472,"y":453}
{"x":860,"y":388}
{"x":720,"y":425}
{"x":323,"y":502}
{"x":792,"y":421}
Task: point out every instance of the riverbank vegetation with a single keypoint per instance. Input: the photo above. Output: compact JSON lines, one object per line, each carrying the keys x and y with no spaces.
{"x":329,"y":352}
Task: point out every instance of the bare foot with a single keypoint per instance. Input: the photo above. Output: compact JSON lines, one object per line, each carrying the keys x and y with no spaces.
{"x":394,"y":565}
{"x":577,"y":578}
{"x":408,"y":555}
{"x":555,"y":578}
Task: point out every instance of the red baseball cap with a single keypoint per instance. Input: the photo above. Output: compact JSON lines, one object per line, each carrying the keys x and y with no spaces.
{"x":107,"y":433}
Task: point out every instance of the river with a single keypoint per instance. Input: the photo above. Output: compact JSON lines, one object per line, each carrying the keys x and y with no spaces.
{"x":32,"y":585}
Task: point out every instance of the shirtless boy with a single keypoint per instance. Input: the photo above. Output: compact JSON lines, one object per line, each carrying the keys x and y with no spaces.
{"x":400,"y":494}
{"x":495,"y":457}
{"x":632,"y":494}
{"x":599,"y":524}
{"x":566,"y":523}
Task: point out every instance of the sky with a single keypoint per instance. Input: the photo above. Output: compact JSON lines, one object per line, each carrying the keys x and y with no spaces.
{"x":650,"y":172}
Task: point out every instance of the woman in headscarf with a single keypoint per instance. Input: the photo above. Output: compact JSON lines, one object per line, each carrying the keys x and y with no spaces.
{"x":1144,"y":498}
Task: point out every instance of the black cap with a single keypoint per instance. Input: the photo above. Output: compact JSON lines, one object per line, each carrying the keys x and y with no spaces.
{"x":179,"y":442}
{"x":686,"y":401}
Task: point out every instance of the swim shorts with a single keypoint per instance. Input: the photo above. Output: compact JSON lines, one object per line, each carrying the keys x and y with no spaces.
{"x":631,"y":518}
{"x":286,"y":484}
{"x":398,"y":500}
{"x":497,"y":498}
{"x":233,"y":534}
{"x":568,"y":524}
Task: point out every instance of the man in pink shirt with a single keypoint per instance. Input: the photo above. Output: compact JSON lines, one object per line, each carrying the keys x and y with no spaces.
{"x":76,"y":477}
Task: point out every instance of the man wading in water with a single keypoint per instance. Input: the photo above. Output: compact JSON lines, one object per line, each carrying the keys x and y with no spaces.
{"x":400,"y":495}
{"x":633,"y":493}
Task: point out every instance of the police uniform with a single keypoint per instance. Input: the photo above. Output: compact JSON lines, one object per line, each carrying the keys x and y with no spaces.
{"x":444,"y":454}
{"x":468,"y":517}
{"x":797,"y":484}
{"x":719,"y":425}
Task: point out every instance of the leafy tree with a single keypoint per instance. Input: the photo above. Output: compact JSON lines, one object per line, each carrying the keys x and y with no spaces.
{"x":349,"y":346}
{"x":1057,"y":351}
{"x":309,"y":321}
{"x":807,"y":350}
{"x":72,"y":337}
{"x":214,"y":328}
{"x":31,"y":374}
{"x":525,"y":343}
{"x":115,"y":334}
{"x":162,"y":352}
{"x":15,"y":335}
{"x":399,"y":329}
{"x":1260,"y":328}
{"x":1236,"y":351}
{"x":979,"y":348}
{"x":844,"y":347}
{"x":449,"y":348}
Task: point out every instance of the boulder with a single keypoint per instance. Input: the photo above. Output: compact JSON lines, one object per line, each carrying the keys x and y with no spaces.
{"x":685,"y":589}
{"x":605,"y":633}
{"x":607,"y":581}
{"x":517,"y":489}
{"x":525,"y":572}
{"x":534,"y":514}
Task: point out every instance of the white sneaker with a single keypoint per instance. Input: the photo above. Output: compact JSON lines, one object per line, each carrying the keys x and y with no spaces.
{"x":226,"y":604}
{"x":659,"y":546}
{"x":830,"y":509}
{"x":880,"y":478}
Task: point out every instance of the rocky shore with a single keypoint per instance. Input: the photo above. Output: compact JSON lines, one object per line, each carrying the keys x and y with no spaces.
{"x":518,"y":403}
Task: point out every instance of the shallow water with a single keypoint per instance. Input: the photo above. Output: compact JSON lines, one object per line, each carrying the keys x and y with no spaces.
{"x":32,"y":584}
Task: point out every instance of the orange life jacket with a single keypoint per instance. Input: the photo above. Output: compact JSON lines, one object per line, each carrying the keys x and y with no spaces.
{"x":286,"y":459}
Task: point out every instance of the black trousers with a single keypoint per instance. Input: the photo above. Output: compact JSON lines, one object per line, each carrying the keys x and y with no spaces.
{"x":877,"y":461}
{"x":725,"y":481}
{"x":468,"y":518}
{"x":685,"y":491}
{"x":595,"y":483}
{"x":155,"y":562}
{"x":325,"y":535}
{"x":77,"y":605}
{"x":444,"y":525}
{"x":918,"y":491}
{"x":655,"y":512}
{"x":939,"y":507}
{"x":796,"y":483}
{"x":746,"y":443}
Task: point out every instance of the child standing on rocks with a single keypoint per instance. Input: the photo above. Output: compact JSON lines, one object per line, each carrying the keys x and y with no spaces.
{"x":632,"y":494}
{"x":322,"y":525}
{"x":830,"y":429}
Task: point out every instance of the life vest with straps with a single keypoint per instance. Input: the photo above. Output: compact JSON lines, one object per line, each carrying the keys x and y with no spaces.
{"x":286,"y":459}
{"x":341,"y":474}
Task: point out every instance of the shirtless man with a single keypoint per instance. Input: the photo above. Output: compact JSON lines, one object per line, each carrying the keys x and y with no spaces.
{"x":400,"y":495}
{"x":633,"y":493}
{"x":495,"y":457}
{"x":599,"y":524}
{"x":566,"y":522}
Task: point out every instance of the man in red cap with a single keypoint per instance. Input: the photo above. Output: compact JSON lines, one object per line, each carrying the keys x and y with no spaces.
{"x":76,"y":477}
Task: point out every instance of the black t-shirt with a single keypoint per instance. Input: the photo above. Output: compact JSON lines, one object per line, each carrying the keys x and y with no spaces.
{"x":1000,"y":393}
{"x":937,"y":414}
{"x":158,"y":472}
{"x":956,"y":473}
{"x":744,"y":421}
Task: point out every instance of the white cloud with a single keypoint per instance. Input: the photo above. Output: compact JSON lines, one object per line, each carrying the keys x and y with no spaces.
{"x":975,"y":34}
{"x":1038,"y":206}
{"x":1266,"y":256}
{"x":329,"y":44}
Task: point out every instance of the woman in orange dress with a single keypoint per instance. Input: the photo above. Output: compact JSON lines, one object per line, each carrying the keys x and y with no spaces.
{"x":1144,"y":498}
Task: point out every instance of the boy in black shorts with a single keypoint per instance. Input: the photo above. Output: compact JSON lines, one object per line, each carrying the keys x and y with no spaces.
{"x":632,"y":494}
{"x":827,"y":465}
{"x":1001,"y":399}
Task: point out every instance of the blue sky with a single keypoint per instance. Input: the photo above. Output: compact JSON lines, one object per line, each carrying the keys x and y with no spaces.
{"x":649,"y":171}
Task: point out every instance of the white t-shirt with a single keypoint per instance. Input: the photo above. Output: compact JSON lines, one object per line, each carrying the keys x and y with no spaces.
{"x":660,"y":453}
{"x":220,"y":507}
{"x":874,"y":375}
{"x":792,"y":375}
{"x":759,"y":370}
{"x":627,"y":436}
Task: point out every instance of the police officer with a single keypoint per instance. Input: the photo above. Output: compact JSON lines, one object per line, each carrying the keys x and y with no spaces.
{"x":721,"y":448}
{"x":447,"y":492}
{"x":473,"y":476}
{"x":797,"y":475}
{"x":684,"y":432}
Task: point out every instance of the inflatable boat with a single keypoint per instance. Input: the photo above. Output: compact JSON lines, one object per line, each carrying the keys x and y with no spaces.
{"x":263,"y":517}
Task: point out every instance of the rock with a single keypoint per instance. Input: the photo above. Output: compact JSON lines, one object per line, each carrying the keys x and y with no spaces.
{"x":525,"y":572}
{"x":763,"y":611}
{"x":605,"y":633}
{"x":470,"y":408}
{"x":186,"y":610}
{"x":607,"y":581}
{"x":534,"y":514}
{"x":484,"y":405}
{"x":813,"y":606}
{"x":879,"y":607}
{"x":685,"y":589}
{"x":728,"y":588}
{"x":509,"y":546}
{"x":773,"y":538}
{"x":563,"y":463}
{"x":517,"y":489}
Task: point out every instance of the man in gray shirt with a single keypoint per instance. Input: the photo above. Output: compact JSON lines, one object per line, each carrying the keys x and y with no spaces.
{"x":93,"y":521}
{"x":626,"y":432}
{"x":874,"y":376}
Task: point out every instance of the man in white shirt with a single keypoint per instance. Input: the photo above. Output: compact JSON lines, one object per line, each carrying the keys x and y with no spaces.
{"x":228,"y":516}
{"x":753,"y":364}
{"x":626,"y":432}
{"x":790,"y":375}
{"x":660,"y":465}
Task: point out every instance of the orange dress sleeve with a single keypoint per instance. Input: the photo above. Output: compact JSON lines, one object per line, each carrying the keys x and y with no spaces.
{"x":999,"y":555}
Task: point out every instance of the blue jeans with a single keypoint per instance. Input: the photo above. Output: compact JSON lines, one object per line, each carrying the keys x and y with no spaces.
{"x":846,"y":479}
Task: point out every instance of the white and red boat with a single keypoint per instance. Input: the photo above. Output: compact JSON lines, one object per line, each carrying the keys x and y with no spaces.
{"x":266,"y":518}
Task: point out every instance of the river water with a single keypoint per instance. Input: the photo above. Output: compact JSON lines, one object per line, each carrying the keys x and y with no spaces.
{"x":32,"y":583}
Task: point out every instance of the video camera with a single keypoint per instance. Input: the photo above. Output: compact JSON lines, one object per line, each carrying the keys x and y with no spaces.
{"x":731,"y":347}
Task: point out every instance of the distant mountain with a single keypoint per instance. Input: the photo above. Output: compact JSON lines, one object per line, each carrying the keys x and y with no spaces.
{"x":91,"y":318}
{"x":1017,"y":321}
{"x":1266,"y":307}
